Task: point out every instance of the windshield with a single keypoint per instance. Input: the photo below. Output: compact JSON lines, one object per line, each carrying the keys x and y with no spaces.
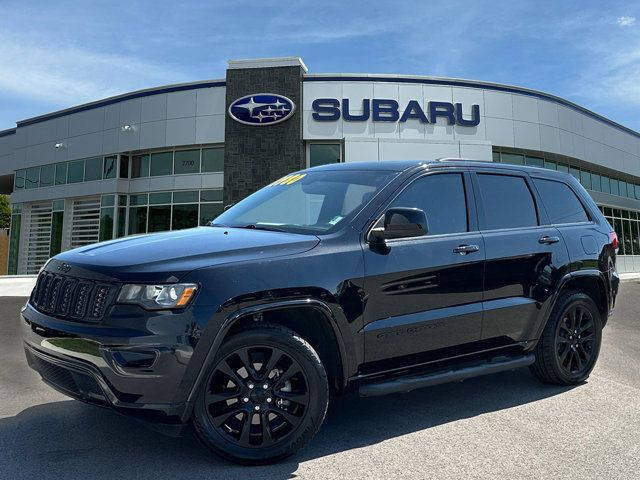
{"x":310,"y":202}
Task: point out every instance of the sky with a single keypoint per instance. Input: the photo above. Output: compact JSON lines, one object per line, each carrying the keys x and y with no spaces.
{"x":56,"y":54}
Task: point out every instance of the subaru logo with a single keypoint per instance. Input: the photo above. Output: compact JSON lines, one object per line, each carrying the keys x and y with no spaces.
{"x":262,"y":109}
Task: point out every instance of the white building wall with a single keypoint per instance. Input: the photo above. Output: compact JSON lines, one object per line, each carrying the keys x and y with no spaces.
{"x":507,"y":119}
{"x":164,"y":120}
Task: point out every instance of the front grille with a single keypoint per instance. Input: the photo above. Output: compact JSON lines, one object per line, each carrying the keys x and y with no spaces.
{"x":72,"y":298}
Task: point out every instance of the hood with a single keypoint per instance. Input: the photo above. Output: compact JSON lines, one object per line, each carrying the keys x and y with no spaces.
{"x":168,"y":256}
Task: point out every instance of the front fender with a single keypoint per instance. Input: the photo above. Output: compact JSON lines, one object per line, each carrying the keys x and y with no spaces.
{"x":213,"y":337}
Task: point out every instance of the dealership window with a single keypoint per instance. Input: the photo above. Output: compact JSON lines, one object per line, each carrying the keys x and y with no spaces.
{"x":159,"y":211}
{"x":110,"y":167}
{"x":210,"y":205}
{"x":535,"y":161}
{"x":213,"y":159}
{"x":93,"y":169}
{"x":124,"y":166}
{"x":614,"y":187}
{"x":513,"y":158}
{"x":186,"y":161}
{"x":18,"y":180}
{"x":324,"y":154}
{"x":138,"y":213}
{"x":32,"y":178}
{"x":159,"y":218}
{"x":107,"y":216}
{"x":75,"y":172}
{"x":121,"y":221}
{"x":47,"y":175}
{"x":61,"y":173}
{"x":585,"y":179}
{"x":161,"y":163}
{"x":140,"y":166}
{"x":57,"y":222}
{"x":185,"y":214}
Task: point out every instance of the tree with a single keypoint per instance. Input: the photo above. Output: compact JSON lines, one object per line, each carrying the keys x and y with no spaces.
{"x":5,"y":212}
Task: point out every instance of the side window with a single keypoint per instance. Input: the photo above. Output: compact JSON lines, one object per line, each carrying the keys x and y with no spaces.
{"x":560,"y":201}
{"x":507,"y":202}
{"x":442,"y":198}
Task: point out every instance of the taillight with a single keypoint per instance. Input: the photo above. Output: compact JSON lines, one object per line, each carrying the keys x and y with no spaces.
{"x":613,"y":240}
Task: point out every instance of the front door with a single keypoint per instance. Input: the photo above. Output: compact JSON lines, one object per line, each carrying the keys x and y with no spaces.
{"x":425,"y":293}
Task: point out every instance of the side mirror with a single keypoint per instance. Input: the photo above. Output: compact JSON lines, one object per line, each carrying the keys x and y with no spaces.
{"x":400,"y":223}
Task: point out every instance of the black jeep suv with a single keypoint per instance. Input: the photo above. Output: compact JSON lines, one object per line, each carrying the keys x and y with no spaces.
{"x":384,"y":277}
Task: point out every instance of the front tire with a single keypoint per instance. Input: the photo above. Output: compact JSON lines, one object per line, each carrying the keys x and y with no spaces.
{"x":264,"y":397}
{"x":570,"y":343}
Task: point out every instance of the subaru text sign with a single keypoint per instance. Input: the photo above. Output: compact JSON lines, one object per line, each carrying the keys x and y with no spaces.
{"x":388,"y":110}
{"x":262,"y":109}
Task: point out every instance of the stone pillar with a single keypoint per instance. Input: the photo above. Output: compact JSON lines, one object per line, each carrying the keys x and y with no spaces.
{"x":254,"y":155}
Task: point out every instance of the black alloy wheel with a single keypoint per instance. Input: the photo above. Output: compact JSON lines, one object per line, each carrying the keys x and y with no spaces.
{"x":569,"y":346}
{"x":575,"y":340}
{"x":257,"y":396}
{"x":265,"y":396}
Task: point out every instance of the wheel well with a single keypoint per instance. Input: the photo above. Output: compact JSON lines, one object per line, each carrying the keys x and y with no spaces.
{"x":594,"y":288}
{"x":313,"y":326}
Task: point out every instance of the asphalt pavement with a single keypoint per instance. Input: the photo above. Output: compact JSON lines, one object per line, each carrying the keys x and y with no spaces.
{"x":503,"y":426}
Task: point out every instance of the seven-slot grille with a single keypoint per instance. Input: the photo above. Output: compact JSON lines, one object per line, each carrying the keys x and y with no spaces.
{"x":72,"y":298}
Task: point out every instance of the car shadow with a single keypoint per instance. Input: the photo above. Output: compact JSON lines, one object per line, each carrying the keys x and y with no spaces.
{"x":69,"y":439}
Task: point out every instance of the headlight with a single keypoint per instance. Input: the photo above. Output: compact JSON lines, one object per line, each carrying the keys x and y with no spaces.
{"x":158,"y":297}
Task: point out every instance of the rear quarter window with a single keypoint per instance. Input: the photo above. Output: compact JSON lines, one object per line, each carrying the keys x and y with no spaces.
{"x":560,"y":202}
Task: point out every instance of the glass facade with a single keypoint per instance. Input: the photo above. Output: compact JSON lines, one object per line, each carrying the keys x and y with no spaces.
{"x":626,"y":223}
{"x":155,"y":164}
{"x":158,"y":211}
{"x":598,"y":182}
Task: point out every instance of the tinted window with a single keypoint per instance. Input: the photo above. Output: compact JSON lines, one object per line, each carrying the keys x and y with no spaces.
{"x":442,"y":199}
{"x":507,"y":202}
{"x":561,"y":203}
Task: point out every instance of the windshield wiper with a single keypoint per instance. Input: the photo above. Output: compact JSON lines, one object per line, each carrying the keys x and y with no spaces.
{"x":257,"y":226}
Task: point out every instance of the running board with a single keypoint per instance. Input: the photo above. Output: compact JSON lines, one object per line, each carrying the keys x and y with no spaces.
{"x":406,"y":384}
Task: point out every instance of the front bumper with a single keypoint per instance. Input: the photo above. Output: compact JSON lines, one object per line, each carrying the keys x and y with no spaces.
{"x":89,"y":363}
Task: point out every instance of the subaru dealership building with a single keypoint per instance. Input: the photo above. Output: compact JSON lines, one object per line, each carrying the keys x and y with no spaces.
{"x":171,"y":157}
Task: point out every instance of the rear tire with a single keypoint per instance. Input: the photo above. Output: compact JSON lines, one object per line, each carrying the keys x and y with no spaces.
{"x":264,"y":397}
{"x":570,"y":343}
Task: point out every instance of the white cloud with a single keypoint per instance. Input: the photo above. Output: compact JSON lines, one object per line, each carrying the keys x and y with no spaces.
{"x":626,"y":21}
{"x":64,"y":75}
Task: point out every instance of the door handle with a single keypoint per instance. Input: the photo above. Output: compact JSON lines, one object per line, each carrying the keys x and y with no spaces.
{"x":464,"y":249}
{"x":549,"y":240}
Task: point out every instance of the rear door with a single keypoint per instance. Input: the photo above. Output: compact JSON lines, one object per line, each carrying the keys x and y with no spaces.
{"x":425,"y":293}
{"x":524,"y":255}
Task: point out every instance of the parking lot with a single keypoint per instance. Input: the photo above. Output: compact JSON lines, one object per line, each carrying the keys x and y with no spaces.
{"x":503,"y":426}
